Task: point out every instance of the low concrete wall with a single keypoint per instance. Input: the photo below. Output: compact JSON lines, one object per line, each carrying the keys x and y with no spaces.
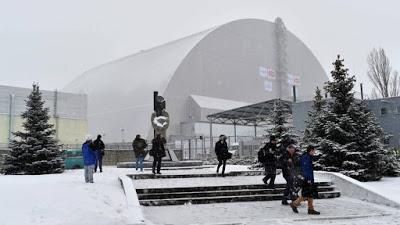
{"x":113,"y":157}
{"x":136,"y":216}
{"x":355,"y":189}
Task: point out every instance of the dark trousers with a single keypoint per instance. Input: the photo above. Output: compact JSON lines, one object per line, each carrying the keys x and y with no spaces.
{"x":221,"y":162}
{"x":157,"y":163}
{"x":271,"y":174}
{"x":99,"y":161}
{"x":288,"y":193}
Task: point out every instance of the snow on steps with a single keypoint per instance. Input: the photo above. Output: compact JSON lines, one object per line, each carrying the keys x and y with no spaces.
{"x":219,"y":194}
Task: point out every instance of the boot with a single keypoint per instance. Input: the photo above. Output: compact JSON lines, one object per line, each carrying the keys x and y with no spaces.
{"x":285,"y":202}
{"x":294,"y":208}
{"x":271,"y":186}
{"x":313,"y":212}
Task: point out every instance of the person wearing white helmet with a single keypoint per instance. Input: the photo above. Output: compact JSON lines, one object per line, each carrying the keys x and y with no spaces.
{"x":89,"y":159}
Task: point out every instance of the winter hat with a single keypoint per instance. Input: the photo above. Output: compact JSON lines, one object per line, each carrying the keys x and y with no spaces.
{"x":292,"y":146}
{"x":88,"y":137}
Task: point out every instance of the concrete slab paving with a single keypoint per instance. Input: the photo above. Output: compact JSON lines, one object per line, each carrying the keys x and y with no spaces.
{"x":341,"y":210}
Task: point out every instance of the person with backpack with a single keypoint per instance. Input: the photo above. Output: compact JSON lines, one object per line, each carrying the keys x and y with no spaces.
{"x":222,"y":153}
{"x":89,"y":159}
{"x":139,"y":145}
{"x":289,"y":162}
{"x":266,"y":155}
{"x":309,"y":190}
{"x":99,"y":151}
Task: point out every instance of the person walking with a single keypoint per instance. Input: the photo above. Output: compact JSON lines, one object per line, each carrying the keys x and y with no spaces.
{"x":89,"y":159}
{"x":309,"y":190}
{"x":99,"y":151}
{"x":158,"y":152}
{"x":266,"y":155}
{"x":290,"y":170}
{"x":221,"y":150}
{"x":139,"y":145}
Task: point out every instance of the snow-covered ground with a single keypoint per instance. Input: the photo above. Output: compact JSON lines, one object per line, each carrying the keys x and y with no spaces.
{"x":388,"y":187}
{"x":63,"y":199}
{"x":336,"y":211}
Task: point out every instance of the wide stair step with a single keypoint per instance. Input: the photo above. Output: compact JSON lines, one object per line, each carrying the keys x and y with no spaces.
{"x":220,"y":194}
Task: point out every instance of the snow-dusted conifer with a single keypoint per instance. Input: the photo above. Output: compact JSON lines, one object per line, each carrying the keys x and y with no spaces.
{"x":282,"y":126}
{"x":346,"y":132}
{"x":34,"y":150}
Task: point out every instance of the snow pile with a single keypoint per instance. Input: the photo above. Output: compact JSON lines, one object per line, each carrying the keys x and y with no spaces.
{"x":64,"y":199}
{"x":388,"y":187}
{"x":358,"y":190}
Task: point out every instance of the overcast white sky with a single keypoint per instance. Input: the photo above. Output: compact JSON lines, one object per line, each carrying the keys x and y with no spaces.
{"x":54,"y":41}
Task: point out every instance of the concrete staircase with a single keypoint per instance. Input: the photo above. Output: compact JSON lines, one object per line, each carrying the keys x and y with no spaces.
{"x":219,"y":194}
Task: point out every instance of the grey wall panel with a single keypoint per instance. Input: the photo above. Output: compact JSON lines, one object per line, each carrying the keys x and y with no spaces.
{"x":69,"y":105}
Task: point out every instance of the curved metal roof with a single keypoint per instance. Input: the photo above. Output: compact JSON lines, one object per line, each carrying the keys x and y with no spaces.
{"x":252,"y":114}
{"x":223,"y":62}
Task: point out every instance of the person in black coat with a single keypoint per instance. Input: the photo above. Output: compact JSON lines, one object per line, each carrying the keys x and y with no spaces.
{"x":99,"y":151}
{"x":139,"y":145}
{"x":289,"y":162}
{"x":221,"y":150}
{"x":266,"y":155}
{"x":158,"y":152}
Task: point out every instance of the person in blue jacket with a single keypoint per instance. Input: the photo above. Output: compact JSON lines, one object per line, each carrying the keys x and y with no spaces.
{"x":89,"y":159}
{"x":308,"y":188}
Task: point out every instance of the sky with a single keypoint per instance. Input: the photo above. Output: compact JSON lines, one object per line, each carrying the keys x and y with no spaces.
{"x":53,"y":41}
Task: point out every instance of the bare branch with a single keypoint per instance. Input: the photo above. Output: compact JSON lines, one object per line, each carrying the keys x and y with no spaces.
{"x":379,"y":71}
{"x":373,"y":94}
{"x":395,"y":84}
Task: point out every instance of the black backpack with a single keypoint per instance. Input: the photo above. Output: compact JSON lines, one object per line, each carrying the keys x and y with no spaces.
{"x":261,"y":155}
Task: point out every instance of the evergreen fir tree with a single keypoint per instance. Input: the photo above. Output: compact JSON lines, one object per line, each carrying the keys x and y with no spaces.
{"x":346,"y":132}
{"x":34,"y":150}
{"x":315,"y":124}
{"x":338,"y":134}
{"x":282,"y":128}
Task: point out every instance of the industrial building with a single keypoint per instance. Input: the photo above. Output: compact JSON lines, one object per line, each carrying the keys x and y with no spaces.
{"x":67,"y":111}
{"x":386,"y":110}
{"x":236,"y":64}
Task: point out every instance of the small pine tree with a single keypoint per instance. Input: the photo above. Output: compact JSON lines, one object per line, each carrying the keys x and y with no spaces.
{"x":282,"y":128}
{"x":34,"y":150}
{"x":315,"y":123}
